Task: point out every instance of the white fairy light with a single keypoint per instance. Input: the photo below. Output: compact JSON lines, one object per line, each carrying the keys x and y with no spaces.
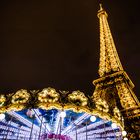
{"x":114,"y":125}
{"x":2,"y":116}
{"x":124,"y":133}
{"x":93,"y":118}
{"x":63,"y":114}
{"x":125,"y":138}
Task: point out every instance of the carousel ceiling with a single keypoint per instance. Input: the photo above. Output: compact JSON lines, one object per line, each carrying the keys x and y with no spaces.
{"x":39,"y":124}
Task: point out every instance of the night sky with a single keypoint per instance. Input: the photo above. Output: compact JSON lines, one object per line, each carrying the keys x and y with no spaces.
{"x":55,"y":43}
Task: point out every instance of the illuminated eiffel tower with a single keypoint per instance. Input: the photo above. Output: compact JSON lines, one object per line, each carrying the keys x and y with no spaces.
{"x":114,"y":87}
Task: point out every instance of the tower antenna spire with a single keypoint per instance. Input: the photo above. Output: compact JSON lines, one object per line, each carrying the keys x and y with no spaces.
{"x":101,"y":8}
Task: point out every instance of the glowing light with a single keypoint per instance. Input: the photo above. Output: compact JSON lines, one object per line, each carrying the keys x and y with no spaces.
{"x":93,"y":118}
{"x":30,"y":113}
{"x":2,"y":116}
{"x":124,"y":133}
{"x":118,"y":134}
{"x":63,"y":114}
{"x":125,"y":138}
{"x":114,"y":125}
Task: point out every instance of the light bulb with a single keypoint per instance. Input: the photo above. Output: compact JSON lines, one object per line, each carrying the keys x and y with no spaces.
{"x":63,"y":114}
{"x":93,"y":118}
{"x":2,"y":116}
{"x":125,"y":138}
{"x":114,"y":125}
{"x":118,"y":134}
{"x":124,"y":133}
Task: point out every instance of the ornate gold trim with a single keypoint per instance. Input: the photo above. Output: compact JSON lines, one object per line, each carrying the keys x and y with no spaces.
{"x":49,"y":98}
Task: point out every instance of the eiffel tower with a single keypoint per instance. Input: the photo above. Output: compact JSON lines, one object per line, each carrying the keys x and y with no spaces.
{"x":114,"y":87}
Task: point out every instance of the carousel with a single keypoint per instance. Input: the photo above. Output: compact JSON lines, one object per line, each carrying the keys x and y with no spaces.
{"x":57,"y":115}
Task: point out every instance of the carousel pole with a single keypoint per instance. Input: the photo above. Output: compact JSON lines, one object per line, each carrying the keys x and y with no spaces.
{"x":76,"y":132}
{"x":105,"y":130}
{"x":5,"y":130}
{"x":8,"y":127}
{"x":18,"y":132}
{"x":32,"y":128}
{"x":46,"y":128}
{"x":86,"y":131}
{"x":40,"y":127}
{"x":60,"y":128}
{"x":114,"y":131}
